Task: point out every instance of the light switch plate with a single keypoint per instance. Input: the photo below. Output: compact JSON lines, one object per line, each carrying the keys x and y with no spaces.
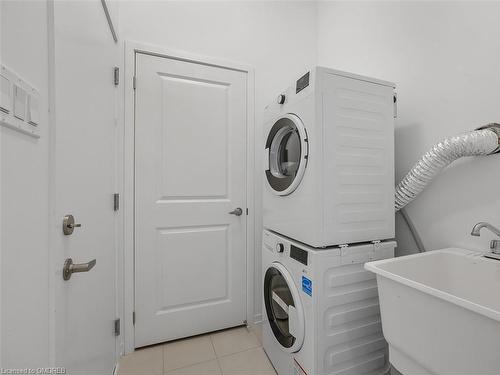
{"x":19,"y":102}
{"x":5,"y":95}
{"x":20,"y":105}
{"x":33,"y":110}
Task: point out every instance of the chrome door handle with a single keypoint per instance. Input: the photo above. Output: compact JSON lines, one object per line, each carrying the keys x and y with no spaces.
{"x":237,"y":211}
{"x":70,"y":267}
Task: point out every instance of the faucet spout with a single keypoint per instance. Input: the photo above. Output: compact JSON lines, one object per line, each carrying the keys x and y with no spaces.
{"x":476,"y":230}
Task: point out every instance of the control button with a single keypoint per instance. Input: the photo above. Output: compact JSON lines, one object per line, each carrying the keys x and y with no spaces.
{"x":280,"y":247}
{"x":281,"y":98}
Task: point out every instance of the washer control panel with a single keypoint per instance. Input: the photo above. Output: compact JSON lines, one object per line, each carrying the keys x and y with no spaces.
{"x":300,"y":255}
{"x":285,"y":248}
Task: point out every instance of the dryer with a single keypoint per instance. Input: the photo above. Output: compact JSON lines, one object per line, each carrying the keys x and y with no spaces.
{"x":321,"y":309}
{"x":329,"y":159}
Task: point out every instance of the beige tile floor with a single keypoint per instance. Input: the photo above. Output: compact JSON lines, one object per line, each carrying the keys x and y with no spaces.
{"x":234,"y":351}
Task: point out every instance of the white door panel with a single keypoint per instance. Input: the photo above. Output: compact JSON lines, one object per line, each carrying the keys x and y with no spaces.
{"x":200,"y":247}
{"x":84,"y":180}
{"x":206,"y":124}
{"x":190,"y":155}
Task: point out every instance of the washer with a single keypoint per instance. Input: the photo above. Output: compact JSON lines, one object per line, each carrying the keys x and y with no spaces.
{"x":321,"y":311}
{"x":329,"y":159}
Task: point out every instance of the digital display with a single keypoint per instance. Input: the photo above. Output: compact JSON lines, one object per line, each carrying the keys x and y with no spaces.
{"x":302,"y":83}
{"x":300,"y":255}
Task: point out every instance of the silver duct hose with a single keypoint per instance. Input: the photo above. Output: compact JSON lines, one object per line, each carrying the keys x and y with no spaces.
{"x":482,"y":141}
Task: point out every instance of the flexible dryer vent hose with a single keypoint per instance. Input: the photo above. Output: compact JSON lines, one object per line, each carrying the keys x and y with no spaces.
{"x":482,"y":141}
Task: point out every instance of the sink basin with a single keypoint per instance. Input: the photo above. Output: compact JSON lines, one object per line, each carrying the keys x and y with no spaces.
{"x":441,"y":312}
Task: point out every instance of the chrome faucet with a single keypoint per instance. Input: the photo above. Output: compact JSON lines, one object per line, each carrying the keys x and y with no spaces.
{"x":494,"y":244}
{"x":476,"y":230}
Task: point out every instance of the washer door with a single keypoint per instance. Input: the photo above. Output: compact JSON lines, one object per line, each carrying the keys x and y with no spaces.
{"x":286,"y":154}
{"x":284,"y":308}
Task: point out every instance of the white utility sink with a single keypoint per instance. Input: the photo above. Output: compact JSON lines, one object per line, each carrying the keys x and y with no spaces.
{"x":441,"y":312}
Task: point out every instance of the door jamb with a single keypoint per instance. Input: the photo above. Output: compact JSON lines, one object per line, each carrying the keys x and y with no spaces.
{"x":126,"y":278}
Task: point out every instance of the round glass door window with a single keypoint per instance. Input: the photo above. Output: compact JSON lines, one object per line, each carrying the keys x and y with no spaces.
{"x":287,"y":150}
{"x":283,"y":308}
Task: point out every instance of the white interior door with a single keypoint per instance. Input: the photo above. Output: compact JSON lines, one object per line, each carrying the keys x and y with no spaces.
{"x":190,"y":144}
{"x":84,"y":168}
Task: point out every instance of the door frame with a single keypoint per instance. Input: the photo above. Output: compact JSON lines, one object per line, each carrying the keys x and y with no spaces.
{"x":126,"y":273}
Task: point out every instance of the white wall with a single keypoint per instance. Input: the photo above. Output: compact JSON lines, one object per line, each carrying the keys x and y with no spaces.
{"x":24,"y":197}
{"x":445,"y":59}
{"x":278,"y":39}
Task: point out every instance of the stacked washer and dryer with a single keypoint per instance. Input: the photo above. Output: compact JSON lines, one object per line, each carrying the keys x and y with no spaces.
{"x":328,"y":207}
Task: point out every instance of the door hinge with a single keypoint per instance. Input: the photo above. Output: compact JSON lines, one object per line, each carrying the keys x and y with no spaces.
{"x":116,"y":75}
{"x":117,"y":327}
{"x":133,"y":318}
{"x":134,"y":82}
{"x":395,"y":101}
{"x":116,"y":201}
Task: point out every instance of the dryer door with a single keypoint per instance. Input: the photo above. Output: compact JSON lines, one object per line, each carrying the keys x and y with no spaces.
{"x":286,"y":154}
{"x":284,"y":308}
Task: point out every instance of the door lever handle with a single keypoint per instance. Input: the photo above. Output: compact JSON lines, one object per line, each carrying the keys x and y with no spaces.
{"x":70,"y":267}
{"x":237,"y":211}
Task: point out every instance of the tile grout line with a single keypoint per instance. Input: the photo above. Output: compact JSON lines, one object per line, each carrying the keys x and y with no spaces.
{"x":166,"y":372}
{"x":191,"y":365}
{"x":239,"y":352}
{"x":268,"y":361}
{"x":163,"y":355}
{"x":219,"y":366}
{"x":216,"y":355}
{"x":259,"y":345}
